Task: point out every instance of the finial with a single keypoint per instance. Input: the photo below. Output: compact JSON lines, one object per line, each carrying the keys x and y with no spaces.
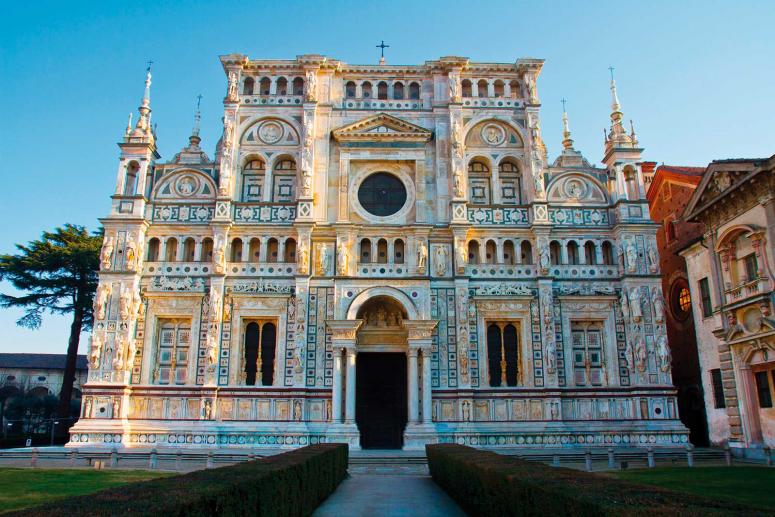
{"x":567,"y":143}
{"x":197,"y":116}
{"x":614,"y":96}
{"x":144,"y":121}
{"x":129,"y":124}
{"x":632,"y":132}
{"x":382,"y":48}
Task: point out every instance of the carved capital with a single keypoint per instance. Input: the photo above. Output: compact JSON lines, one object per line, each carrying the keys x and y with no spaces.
{"x":344,"y":331}
{"x":420,"y":330}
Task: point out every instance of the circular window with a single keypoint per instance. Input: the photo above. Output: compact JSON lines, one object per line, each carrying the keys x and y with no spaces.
{"x":382,"y":194}
{"x":680,"y":300}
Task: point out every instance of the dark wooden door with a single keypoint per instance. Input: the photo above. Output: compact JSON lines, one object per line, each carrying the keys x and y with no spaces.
{"x":380,"y":399}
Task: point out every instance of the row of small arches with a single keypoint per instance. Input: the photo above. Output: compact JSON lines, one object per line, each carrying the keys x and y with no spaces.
{"x":571,"y":252}
{"x":490,"y":88}
{"x":382,"y":251}
{"x":270,"y":250}
{"x":273,"y":86}
{"x":384,"y":90}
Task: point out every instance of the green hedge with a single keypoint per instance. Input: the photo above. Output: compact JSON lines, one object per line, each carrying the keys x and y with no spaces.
{"x":289,"y":484}
{"x":489,"y":484}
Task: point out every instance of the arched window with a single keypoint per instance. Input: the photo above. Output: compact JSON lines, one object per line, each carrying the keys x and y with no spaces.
{"x":259,"y":353}
{"x":398,"y":90}
{"x":590,"y":255}
{"x":282,"y":86}
{"x":171,"y":250}
{"x":608,"y":253}
{"x":466,"y":87}
{"x":414,"y":91}
{"x":284,"y":181}
{"x":248,"y":85}
{"x":271,"y":250}
{"x":236,"y":250}
{"x":290,"y":251}
{"x":253,"y":176}
{"x":207,"y":250}
{"x":298,"y":86}
{"x":366,"y":90}
{"x":382,"y":90}
{"x":398,"y":251}
{"x":573,"y":253}
{"x":680,"y":300}
{"x":490,"y":252}
{"x":554,"y":253}
{"x":264,"y":85}
{"x":481,"y":85}
{"x":255,"y":250}
{"x":189,"y":247}
{"x":365,"y":251}
{"x":153,"y":250}
{"x":514,"y":87}
{"x":526,"y":252}
{"x":473,"y":252}
{"x":503,"y":354}
{"x":130,"y":185}
{"x":349,"y":89}
{"x":509,"y":257}
{"x":382,"y":257}
{"x":511,"y":182}
{"x":478,"y":182}
{"x":498,"y":88}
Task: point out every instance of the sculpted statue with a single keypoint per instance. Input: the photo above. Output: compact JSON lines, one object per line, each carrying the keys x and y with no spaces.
{"x":303,"y":259}
{"x":116,"y":408}
{"x":641,"y":356}
{"x":126,"y":297}
{"x":632,"y":256}
{"x":530,"y":85}
{"x":227,"y":309}
{"x":106,"y":253}
{"x":441,"y":260}
{"x":454,"y":89}
{"x":462,"y":356}
{"x":456,"y":134}
{"x":312,"y":86}
{"x":651,"y":253}
{"x":625,"y":303}
{"x":87,"y":408}
{"x":659,"y":305}
{"x":663,"y":352}
{"x":212,"y":346}
{"x":232,"y":92}
{"x":324,"y":261}
{"x":551,"y":354}
{"x":131,"y":253}
{"x":422,"y":256}
{"x":228,"y":134}
{"x":101,"y":298}
{"x":207,"y":410}
{"x":219,"y":254}
{"x":118,"y":356}
{"x":466,"y":411}
{"x":635,"y":304}
{"x":297,"y":410}
{"x":460,"y":252}
{"x":95,"y":350}
{"x":342,"y":257}
{"x":544,"y":259}
{"x":547,"y":306}
{"x":629,"y":355}
{"x":214,"y":305}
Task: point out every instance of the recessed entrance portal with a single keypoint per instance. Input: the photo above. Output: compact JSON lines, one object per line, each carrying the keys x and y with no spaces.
{"x":380,"y":399}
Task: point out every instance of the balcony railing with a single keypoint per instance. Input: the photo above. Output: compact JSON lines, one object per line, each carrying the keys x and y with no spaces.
{"x":746,"y":289}
{"x":501,"y":270}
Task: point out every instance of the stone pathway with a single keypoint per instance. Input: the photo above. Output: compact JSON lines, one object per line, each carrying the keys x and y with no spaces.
{"x":378,"y":495}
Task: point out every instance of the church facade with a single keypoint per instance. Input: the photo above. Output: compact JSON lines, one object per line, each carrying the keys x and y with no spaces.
{"x":383,"y":256}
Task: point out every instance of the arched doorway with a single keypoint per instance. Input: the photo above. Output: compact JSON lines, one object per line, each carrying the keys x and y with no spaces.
{"x":381,"y":407}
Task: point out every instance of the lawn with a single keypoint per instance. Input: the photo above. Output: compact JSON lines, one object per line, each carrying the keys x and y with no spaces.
{"x":22,"y":488}
{"x":750,"y":485}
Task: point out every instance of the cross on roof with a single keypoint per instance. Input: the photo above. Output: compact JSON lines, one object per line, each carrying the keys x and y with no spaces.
{"x":563,"y":103}
{"x":611,"y":69}
{"x":382,"y":48}
{"x":198,"y":101}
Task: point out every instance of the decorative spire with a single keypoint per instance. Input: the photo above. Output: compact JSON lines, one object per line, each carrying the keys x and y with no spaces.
{"x":144,"y":122}
{"x":129,"y":124}
{"x":194,"y":139}
{"x":632,"y":133}
{"x":618,"y":136}
{"x":567,"y":142}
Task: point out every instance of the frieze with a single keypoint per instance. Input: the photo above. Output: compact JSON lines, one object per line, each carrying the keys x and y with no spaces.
{"x":579,"y":216}
{"x":192,"y":214}
{"x":498,"y":216}
{"x":503,"y":289}
{"x":261,"y":287}
{"x":177,"y":283}
{"x":586,"y":289}
{"x":264,"y":214}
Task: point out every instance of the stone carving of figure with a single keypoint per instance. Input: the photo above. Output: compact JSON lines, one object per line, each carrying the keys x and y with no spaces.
{"x":466,"y":411}
{"x":342,"y":257}
{"x":551,"y":354}
{"x":228,"y":134}
{"x":116,"y":408}
{"x":651,"y":253}
{"x":297,"y":410}
{"x":544,"y":259}
{"x":460,"y":251}
{"x":441,"y":260}
{"x":87,"y":408}
{"x":456,"y":134}
{"x":422,"y":256}
{"x":118,"y":356}
{"x":659,"y":305}
{"x":100,"y":301}
{"x":629,"y":356}
{"x":324,"y":264}
{"x":538,"y":181}
{"x":131,"y":253}
{"x":303,"y":259}
{"x":95,"y":349}
{"x":212,"y":346}
{"x":635,"y":304}
{"x":454,"y":89}
{"x":106,"y":254}
{"x":125,"y":300}
{"x":227,"y":309}
{"x":207,"y":410}
{"x":214,"y":305}
{"x":312,"y":86}
{"x":625,"y":303}
{"x":547,"y":306}
{"x":530,"y":84}
{"x":219,"y":254}
{"x":663,"y":352}
{"x":381,"y":316}
{"x":632,"y":257}
{"x":457,"y":180}
{"x":232,"y":92}
{"x":641,"y":356}
{"x":462,"y":355}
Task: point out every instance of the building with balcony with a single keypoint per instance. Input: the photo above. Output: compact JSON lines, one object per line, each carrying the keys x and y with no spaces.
{"x":381,"y":255}
{"x":730,"y":277}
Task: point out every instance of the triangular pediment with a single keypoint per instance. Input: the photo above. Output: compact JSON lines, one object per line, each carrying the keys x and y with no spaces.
{"x":720,"y":178}
{"x":382,"y":127}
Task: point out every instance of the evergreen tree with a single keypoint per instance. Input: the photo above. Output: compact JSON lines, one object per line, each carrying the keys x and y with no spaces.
{"x":56,"y":274}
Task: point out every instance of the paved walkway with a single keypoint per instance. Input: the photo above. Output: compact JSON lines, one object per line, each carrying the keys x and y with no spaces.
{"x":378,"y":495}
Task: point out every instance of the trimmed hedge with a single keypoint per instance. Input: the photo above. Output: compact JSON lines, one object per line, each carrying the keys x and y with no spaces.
{"x":487,"y":484}
{"x":289,"y":484}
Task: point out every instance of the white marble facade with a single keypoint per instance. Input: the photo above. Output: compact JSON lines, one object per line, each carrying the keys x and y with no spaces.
{"x":354,"y":209}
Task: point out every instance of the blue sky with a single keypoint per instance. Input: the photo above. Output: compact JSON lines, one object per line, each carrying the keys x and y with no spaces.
{"x":696,"y":78}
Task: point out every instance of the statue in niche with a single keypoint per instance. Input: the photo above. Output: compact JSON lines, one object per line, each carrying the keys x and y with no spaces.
{"x":228,"y":134}
{"x":297,"y":410}
{"x":207,"y":410}
{"x":530,"y":85}
{"x":106,"y":253}
{"x":625,"y":304}
{"x":631,"y":255}
{"x":544,"y":257}
{"x":659,"y":305}
{"x":131,"y":254}
{"x":219,"y":254}
{"x":460,"y":251}
{"x":663,"y":352}
{"x":227,"y":309}
{"x":462,"y":356}
{"x":454,"y":89}
{"x":126,"y":300}
{"x":629,"y":356}
{"x":342,"y":257}
{"x":641,"y":355}
{"x":232,"y":91}
{"x":212,"y":347}
{"x":456,"y":134}
{"x":653,"y":258}
{"x":328,"y":410}
{"x":538,"y":175}
{"x":101,"y":299}
{"x":441,"y":260}
{"x":214,"y":312}
{"x":303,"y":259}
{"x":312,"y":85}
{"x":118,"y":355}
{"x":116,"y":408}
{"x":466,"y":411}
{"x":422,"y":256}
{"x":551,"y":354}
{"x":87,"y":408}
{"x":95,"y":349}
{"x":457,"y":180}
{"x":324,"y":260}
{"x":306,"y":152}
{"x":635,"y":304}
{"x":547,"y":306}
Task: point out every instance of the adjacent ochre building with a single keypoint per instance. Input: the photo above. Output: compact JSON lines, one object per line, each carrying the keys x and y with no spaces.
{"x":381,"y":255}
{"x":731,"y":281}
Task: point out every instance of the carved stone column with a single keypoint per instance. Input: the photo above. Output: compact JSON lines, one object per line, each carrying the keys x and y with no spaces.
{"x":419,"y":338}
{"x":343,"y":338}
{"x":427,"y":395}
{"x":336,"y":395}
{"x":349,"y":409}
{"x":414,"y":410}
